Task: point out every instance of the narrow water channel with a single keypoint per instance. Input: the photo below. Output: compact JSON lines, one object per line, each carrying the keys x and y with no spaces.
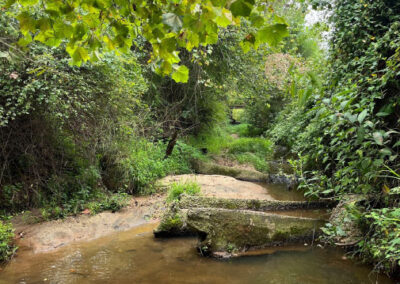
{"x":136,"y":257}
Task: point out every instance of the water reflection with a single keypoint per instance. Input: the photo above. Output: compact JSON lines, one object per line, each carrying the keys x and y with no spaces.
{"x":136,"y":257}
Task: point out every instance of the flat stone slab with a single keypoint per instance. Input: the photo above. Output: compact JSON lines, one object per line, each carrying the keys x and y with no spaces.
{"x":188,"y":201}
{"x":225,"y":232}
{"x":221,"y":186}
{"x":231,"y":231}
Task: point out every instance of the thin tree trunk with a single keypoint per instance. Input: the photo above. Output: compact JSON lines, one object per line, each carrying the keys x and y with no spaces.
{"x":171,"y":144}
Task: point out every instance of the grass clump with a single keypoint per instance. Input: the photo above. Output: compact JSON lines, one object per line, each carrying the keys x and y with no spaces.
{"x":244,"y":130}
{"x":259,"y":146}
{"x":254,"y":151}
{"x":214,"y":140}
{"x":177,"y":189}
{"x":7,"y":249}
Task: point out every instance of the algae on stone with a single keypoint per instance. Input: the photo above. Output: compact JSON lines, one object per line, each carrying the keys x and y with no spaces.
{"x":243,"y":229}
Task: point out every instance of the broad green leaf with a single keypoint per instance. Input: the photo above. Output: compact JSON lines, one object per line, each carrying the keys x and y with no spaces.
{"x":172,"y":20}
{"x":362,"y":115}
{"x":256,"y":20}
{"x":378,"y":138}
{"x":80,"y":55}
{"x":181,"y":74}
{"x":24,"y":41}
{"x":241,"y":8}
{"x":26,"y":22}
{"x":272,"y":34}
{"x":225,"y":19}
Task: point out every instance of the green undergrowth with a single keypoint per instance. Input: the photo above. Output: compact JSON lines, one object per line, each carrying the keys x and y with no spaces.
{"x":95,"y":203}
{"x":7,"y":249}
{"x":213,"y":140}
{"x":244,"y":130}
{"x":177,"y":189}
{"x":146,"y":163}
{"x":382,"y":241}
{"x":255,"y":151}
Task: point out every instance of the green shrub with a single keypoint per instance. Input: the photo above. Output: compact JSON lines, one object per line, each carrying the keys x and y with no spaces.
{"x":177,"y":189}
{"x":137,"y":171}
{"x":382,"y":241}
{"x":238,"y":114}
{"x":7,"y":249}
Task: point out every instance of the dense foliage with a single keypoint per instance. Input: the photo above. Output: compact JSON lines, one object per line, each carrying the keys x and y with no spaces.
{"x":84,"y":135}
{"x":347,"y":132}
{"x":6,"y":237}
{"x":90,"y":27}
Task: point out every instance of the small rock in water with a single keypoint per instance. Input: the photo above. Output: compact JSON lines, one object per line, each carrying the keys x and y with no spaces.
{"x":320,"y":246}
{"x":305,"y":244}
{"x":344,"y":257}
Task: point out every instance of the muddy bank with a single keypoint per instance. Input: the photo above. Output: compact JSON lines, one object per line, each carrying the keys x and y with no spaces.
{"x":51,"y":235}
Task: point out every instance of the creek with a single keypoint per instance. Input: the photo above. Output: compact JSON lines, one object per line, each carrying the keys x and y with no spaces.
{"x":135,"y":256}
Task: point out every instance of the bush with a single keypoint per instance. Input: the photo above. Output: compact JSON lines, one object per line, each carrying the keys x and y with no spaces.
{"x":145,"y":163}
{"x":238,"y":114}
{"x":7,"y":249}
{"x":382,"y":242}
{"x":177,"y":189}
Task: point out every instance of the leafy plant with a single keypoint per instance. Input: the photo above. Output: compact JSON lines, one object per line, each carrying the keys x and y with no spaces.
{"x":7,"y":249}
{"x":177,"y":189}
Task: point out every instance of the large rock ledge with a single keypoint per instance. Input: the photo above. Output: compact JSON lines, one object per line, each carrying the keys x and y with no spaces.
{"x":210,"y":168}
{"x":251,"y":204}
{"x":224,"y":232}
{"x":227,"y":227}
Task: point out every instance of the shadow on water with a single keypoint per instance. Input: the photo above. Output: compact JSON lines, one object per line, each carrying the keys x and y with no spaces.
{"x":136,"y":257}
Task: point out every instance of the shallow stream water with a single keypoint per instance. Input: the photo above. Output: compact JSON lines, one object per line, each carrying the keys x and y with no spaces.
{"x":136,"y":257}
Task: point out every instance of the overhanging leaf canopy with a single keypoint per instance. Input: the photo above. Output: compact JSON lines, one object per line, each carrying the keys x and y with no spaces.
{"x":90,"y":26}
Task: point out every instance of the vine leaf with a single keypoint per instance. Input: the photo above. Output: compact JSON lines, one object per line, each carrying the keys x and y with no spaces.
{"x":172,"y":20}
{"x":181,"y":74}
{"x":272,"y":34}
{"x":241,"y":8}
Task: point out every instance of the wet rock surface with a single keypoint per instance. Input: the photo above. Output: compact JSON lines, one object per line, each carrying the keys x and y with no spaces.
{"x":232,"y":231}
{"x":228,"y":226}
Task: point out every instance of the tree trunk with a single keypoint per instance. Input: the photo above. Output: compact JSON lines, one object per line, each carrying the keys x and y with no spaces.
{"x":171,"y":144}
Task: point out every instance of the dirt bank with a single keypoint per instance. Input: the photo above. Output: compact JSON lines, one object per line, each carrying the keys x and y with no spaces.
{"x":48,"y":236}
